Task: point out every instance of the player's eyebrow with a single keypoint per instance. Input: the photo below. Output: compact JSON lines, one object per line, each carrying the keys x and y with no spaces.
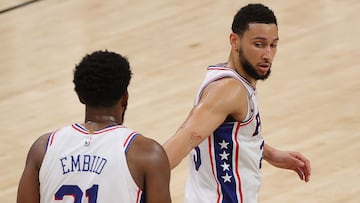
{"x":265,"y":39}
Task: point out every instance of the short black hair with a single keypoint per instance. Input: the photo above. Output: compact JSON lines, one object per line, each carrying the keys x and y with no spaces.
{"x":252,"y":13}
{"x":102,"y":78}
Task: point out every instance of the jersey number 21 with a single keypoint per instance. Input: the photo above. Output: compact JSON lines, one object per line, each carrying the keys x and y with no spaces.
{"x":77,"y":193}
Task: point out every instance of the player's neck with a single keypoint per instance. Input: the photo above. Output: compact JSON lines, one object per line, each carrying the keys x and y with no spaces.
{"x":240,"y":70}
{"x":102,"y":119}
{"x":97,"y":118}
{"x":104,"y":115}
{"x":97,"y":122}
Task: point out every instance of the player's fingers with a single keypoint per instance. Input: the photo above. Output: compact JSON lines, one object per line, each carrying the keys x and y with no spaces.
{"x":306,"y":169}
{"x":305,"y":163}
{"x":307,"y":172}
{"x":299,"y":163}
{"x":300,"y":173}
{"x":307,"y":178}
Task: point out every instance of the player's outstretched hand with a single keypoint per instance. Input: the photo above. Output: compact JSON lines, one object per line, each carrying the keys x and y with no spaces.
{"x":290,"y":160}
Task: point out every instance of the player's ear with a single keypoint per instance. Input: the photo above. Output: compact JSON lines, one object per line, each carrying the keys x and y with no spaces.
{"x":234,"y":41}
{"x":124,"y":99}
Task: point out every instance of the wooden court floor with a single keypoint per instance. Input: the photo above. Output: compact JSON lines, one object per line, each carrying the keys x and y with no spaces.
{"x":309,"y":104}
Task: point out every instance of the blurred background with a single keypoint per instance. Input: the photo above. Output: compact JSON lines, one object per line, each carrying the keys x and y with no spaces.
{"x":309,"y":104}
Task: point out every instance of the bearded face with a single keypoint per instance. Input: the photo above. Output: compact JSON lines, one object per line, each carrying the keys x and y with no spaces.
{"x":250,"y":69}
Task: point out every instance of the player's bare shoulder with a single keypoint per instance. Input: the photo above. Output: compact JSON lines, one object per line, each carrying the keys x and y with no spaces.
{"x":227,"y":85}
{"x":146,"y":156}
{"x":148,"y":149}
{"x":227,"y":93}
{"x":37,"y":150}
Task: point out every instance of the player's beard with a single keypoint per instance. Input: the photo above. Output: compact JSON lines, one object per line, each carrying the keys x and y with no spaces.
{"x":250,"y":69}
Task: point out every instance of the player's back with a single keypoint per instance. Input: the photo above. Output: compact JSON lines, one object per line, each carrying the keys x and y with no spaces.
{"x":80,"y":167}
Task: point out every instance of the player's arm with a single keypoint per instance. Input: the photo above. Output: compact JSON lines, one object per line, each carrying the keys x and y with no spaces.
{"x":157,"y":179}
{"x":219,"y":99}
{"x":150,"y":168}
{"x":288,"y":160}
{"x":29,"y":186}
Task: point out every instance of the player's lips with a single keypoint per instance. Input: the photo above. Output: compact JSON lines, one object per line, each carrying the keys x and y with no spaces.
{"x":264,"y":67}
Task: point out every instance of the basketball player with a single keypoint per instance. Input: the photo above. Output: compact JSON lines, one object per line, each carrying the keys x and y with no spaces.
{"x":99,"y":160}
{"x":223,"y":130}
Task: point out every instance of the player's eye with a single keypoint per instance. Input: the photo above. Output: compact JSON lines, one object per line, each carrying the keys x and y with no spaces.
{"x":259,"y":44}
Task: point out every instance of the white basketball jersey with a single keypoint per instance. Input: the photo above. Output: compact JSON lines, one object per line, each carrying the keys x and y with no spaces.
{"x":226,"y":167}
{"x":79,"y":167}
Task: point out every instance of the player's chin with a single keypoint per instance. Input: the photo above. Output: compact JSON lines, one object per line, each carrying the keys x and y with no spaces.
{"x":264,"y":75}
